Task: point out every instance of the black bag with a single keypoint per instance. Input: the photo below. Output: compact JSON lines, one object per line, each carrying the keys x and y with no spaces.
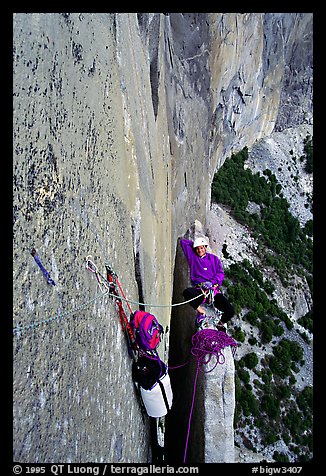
{"x":153,"y":381}
{"x":147,"y":371}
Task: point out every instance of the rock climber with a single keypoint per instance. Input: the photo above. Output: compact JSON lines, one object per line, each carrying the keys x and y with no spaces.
{"x":206,"y":276}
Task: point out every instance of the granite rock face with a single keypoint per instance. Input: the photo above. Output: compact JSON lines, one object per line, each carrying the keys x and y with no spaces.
{"x":219,"y":410}
{"x":119,"y":122}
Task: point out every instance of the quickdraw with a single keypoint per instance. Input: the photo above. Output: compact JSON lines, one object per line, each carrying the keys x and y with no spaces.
{"x":210,"y":321}
{"x":110,"y":285}
{"x":101,"y":281}
{"x":125,"y":324}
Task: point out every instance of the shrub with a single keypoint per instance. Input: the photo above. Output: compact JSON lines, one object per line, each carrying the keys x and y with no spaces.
{"x":305,"y":400}
{"x":308,"y":149}
{"x":266,"y":332}
{"x":280,"y":457}
{"x":283,"y":392}
{"x":308,"y":228}
{"x":250,"y":360}
{"x":285,"y":354}
{"x":239,"y":335}
{"x":270,"y":405}
{"x":307,"y":321}
{"x":251,"y":317}
{"x":271,"y":437}
{"x":244,"y":375}
{"x":249,"y":403}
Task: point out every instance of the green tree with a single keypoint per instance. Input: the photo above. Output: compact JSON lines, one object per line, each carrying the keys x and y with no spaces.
{"x":308,"y":149}
{"x":270,"y":405}
{"x":250,"y":360}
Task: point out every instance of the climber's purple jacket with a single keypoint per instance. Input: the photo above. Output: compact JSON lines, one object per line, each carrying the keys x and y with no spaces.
{"x":207,"y":268}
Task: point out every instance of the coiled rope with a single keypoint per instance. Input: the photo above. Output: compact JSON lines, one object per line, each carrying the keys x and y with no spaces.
{"x":207,"y":343}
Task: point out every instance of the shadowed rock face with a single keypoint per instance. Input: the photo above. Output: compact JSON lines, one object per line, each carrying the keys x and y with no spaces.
{"x":120,"y":121}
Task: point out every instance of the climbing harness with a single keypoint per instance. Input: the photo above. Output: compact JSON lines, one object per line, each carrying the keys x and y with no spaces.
{"x":44,"y":271}
{"x":209,"y":294}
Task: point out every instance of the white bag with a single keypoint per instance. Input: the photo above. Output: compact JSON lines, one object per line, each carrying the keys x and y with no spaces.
{"x":158,"y":399}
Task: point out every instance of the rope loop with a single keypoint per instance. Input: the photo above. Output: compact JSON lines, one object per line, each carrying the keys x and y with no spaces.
{"x":207,"y":343}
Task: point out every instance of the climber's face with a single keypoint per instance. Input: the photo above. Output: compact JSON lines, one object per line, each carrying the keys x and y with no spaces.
{"x":200,"y":250}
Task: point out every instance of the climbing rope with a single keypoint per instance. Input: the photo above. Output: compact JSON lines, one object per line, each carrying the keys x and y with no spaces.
{"x":105,"y":287}
{"x":36,"y":324}
{"x":207,"y":343}
{"x":128,"y":301}
{"x":100,"y":278}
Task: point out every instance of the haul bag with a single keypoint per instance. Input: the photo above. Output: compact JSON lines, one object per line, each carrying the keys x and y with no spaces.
{"x":158,"y":398}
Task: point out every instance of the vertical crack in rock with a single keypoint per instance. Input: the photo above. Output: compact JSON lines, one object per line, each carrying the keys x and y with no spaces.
{"x":136,"y":241}
{"x":154,"y":36}
{"x":183,"y":379}
{"x":149,"y":27}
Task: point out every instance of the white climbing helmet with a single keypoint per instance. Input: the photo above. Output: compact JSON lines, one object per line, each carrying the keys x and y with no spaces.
{"x":201,"y":241}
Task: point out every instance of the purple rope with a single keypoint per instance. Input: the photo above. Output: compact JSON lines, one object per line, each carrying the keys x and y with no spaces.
{"x":44,"y":271}
{"x":191,"y":409}
{"x":205,"y":344}
{"x":173,"y":367}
